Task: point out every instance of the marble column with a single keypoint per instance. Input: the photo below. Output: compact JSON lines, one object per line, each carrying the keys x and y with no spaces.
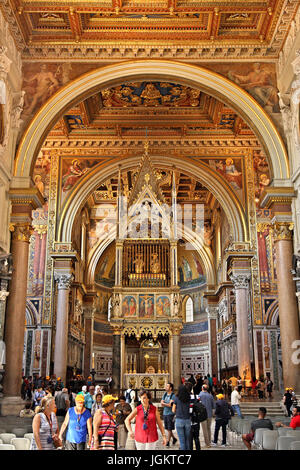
{"x":116,"y":359}
{"x":64,"y":281}
{"x":123,"y":360}
{"x":241,"y":287}
{"x":212,"y":313}
{"x":288,"y":309}
{"x":175,"y":358}
{"x":89,"y":313}
{"x":296,"y":278}
{"x":16,"y":308}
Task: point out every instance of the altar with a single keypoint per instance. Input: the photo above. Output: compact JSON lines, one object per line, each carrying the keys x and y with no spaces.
{"x":146,"y":381}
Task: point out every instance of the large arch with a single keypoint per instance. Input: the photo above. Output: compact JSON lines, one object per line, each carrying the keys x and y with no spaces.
{"x":186,"y":74}
{"x":212,"y":181}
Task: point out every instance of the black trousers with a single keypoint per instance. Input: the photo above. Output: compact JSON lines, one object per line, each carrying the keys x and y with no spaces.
{"x":194,"y":436}
{"x":220,"y":423}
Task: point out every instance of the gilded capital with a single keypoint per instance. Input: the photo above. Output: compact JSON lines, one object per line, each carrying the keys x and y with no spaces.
{"x":240,"y":281}
{"x":283,"y":231}
{"x":21,"y":231}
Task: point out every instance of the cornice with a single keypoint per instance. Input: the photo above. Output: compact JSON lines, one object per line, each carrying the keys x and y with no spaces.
{"x":94,"y":145}
{"x":197,"y":51}
{"x":273,"y":195}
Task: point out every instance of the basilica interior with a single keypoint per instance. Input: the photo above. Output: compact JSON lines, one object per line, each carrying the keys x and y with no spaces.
{"x":149,"y":178}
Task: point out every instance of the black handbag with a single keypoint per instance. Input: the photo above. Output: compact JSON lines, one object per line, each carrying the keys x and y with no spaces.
{"x":100,"y":436}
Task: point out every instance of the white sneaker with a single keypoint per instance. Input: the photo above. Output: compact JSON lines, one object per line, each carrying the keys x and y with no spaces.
{"x":214,"y":444}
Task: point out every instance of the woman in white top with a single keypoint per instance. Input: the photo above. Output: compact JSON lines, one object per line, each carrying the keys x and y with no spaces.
{"x":45,"y":426}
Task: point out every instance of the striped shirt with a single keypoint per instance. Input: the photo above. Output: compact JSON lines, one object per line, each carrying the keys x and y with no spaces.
{"x":45,"y":432}
{"x":107,"y":431}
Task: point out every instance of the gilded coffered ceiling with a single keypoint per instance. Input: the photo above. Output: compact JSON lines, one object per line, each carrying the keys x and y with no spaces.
{"x":153,"y":109}
{"x":164,"y":28}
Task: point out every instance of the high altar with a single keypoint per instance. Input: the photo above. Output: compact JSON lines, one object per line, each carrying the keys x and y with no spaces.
{"x":146,"y":307}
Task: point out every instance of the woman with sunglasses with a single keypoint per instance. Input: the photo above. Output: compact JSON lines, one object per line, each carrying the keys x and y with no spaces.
{"x":147,"y":419}
{"x":78,"y":422}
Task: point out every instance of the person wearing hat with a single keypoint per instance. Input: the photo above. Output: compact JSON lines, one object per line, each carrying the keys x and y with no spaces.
{"x":222,"y":415}
{"x":78,"y":422}
{"x":105,"y":425}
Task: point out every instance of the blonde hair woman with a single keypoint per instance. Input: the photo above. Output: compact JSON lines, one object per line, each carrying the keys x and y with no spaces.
{"x":45,"y":426}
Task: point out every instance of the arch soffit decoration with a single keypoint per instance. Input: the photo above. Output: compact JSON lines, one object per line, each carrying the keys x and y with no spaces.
{"x":186,"y":74}
{"x":211,"y":179}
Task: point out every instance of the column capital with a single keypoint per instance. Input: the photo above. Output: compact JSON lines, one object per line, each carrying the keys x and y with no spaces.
{"x":212,"y":312}
{"x":21,"y":231}
{"x":117,"y":330}
{"x":240,"y":281}
{"x":282,"y":231}
{"x":176,"y":329}
{"x":64,"y":280}
{"x":89,"y":312}
{"x":3,"y":295}
{"x":6,"y":263}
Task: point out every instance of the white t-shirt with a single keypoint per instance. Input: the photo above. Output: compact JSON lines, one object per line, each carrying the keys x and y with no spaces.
{"x":235,"y":398}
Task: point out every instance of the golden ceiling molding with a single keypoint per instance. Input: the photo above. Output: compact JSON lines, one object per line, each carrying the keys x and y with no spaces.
{"x":185,"y":74}
{"x":69,"y":23}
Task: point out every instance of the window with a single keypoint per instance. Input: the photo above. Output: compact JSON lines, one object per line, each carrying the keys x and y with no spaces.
{"x":109,"y":309}
{"x":189,"y":310}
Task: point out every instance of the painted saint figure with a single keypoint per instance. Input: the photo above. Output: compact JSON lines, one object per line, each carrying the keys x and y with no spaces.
{"x":73,"y":174}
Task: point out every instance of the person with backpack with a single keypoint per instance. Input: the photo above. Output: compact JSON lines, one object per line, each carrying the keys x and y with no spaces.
{"x":168,"y":415}
{"x":130,"y":397}
{"x":222,"y":417}
{"x":198,"y":414}
{"x":209,"y":403}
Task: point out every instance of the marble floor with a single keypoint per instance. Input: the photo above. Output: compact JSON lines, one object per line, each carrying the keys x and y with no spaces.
{"x":232,"y":443}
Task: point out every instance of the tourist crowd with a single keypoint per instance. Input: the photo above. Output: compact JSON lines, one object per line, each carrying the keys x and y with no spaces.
{"x":95,"y":417}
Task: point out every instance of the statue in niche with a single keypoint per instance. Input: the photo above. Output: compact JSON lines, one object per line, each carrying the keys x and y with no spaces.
{"x":177,"y":305}
{"x":115,"y":306}
{"x":139,"y":264}
{"x":155,"y":264}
